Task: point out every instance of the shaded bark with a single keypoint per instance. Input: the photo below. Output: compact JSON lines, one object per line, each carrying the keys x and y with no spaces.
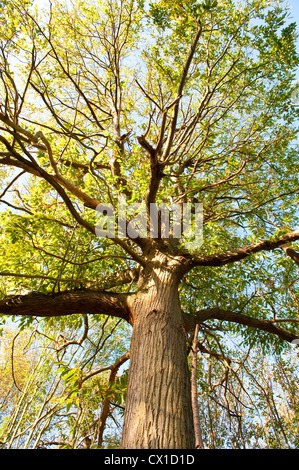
{"x":67,"y":303}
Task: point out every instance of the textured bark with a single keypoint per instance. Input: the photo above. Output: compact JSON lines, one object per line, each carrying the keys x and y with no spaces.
{"x":67,"y":303}
{"x":158,"y":407}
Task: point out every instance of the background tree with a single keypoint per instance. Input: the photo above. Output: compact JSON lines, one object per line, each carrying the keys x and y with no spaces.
{"x":182,"y":103}
{"x":248,"y":401}
{"x":63,"y":391}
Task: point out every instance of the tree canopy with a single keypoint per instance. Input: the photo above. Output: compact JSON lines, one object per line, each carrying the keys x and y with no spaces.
{"x":171,"y":103}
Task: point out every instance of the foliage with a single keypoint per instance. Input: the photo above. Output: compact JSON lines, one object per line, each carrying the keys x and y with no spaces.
{"x":248,"y":401}
{"x":56,"y":395}
{"x":181,"y":102}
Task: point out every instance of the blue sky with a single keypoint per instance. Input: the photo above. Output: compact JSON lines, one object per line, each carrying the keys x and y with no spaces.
{"x":294,"y":4}
{"x":295,"y":9}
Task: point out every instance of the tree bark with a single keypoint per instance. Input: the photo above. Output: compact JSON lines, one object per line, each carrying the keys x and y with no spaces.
{"x":67,"y":303}
{"x":158,"y":411}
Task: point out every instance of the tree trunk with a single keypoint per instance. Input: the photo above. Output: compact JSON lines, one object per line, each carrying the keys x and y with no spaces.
{"x":158,"y":407}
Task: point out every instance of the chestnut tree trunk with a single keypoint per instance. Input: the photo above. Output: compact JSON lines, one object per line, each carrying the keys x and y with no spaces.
{"x":158,"y":407}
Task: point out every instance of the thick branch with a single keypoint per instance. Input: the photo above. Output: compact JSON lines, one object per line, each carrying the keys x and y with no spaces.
{"x":291,"y":253}
{"x":67,"y":303}
{"x":156,"y":173}
{"x":235,"y":317}
{"x":220,"y":259}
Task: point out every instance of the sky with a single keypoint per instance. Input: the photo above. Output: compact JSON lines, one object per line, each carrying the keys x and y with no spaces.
{"x":295,"y":9}
{"x":294,"y":4}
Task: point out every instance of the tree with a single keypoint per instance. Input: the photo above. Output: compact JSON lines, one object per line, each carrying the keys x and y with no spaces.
{"x":248,"y":400}
{"x":13,"y":372}
{"x":181,"y":104}
{"x":62,"y":393}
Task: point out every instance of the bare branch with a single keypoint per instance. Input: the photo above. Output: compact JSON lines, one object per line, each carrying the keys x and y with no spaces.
{"x":83,"y":337}
{"x":180,"y":89}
